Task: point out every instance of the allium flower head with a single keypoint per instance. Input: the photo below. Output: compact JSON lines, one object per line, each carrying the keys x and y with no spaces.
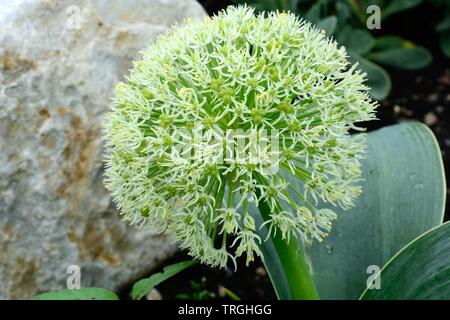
{"x":217,"y":114}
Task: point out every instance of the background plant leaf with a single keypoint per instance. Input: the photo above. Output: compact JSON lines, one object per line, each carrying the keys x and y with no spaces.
{"x":403,"y":58}
{"x":388,"y":42}
{"x":144,"y":286}
{"x":357,"y":9}
{"x":78,"y":294}
{"x":328,"y":25}
{"x":313,"y":13}
{"x":398,"y":6}
{"x":357,"y":40}
{"x":421,"y":270}
{"x":444,"y":38}
{"x":378,"y":79}
{"x":444,"y":25}
{"x":343,"y":13}
{"x":288,"y":5}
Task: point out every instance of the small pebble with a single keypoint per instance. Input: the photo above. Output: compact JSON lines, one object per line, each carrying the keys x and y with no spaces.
{"x":430,"y":119}
{"x":221,"y":292}
{"x":260,"y":271}
{"x":406,"y":112}
{"x":445,"y":78}
{"x":433,"y":97}
{"x":154,"y":295}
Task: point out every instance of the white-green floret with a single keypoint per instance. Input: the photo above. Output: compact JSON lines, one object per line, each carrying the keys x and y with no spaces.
{"x":268,"y":73}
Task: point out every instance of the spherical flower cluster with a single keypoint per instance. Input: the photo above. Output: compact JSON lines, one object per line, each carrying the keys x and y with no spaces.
{"x":270,"y":87}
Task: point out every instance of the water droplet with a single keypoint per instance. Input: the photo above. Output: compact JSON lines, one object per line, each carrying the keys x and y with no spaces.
{"x":329,"y":249}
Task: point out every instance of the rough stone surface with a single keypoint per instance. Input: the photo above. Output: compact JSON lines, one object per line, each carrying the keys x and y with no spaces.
{"x":56,"y":79}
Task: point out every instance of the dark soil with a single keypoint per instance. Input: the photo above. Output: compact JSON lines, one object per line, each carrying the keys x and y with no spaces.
{"x":203,"y":282}
{"x":422,"y":95}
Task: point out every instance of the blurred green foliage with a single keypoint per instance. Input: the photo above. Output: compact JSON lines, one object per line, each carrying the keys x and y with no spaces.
{"x":198,"y":291}
{"x":443,"y":28}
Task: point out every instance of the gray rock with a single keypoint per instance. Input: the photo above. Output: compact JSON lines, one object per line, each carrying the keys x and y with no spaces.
{"x":57,"y":73}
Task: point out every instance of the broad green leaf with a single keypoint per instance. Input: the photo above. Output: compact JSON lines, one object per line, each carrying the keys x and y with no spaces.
{"x":378,"y":79}
{"x":388,"y":42}
{"x":328,"y":25}
{"x":78,"y":294}
{"x":403,"y":196}
{"x":144,"y":286}
{"x":398,"y":6}
{"x":403,"y":58}
{"x":358,"y":41}
{"x":420,"y":271}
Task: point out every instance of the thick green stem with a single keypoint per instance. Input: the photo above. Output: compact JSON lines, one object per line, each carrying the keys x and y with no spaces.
{"x":293,"y":261}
